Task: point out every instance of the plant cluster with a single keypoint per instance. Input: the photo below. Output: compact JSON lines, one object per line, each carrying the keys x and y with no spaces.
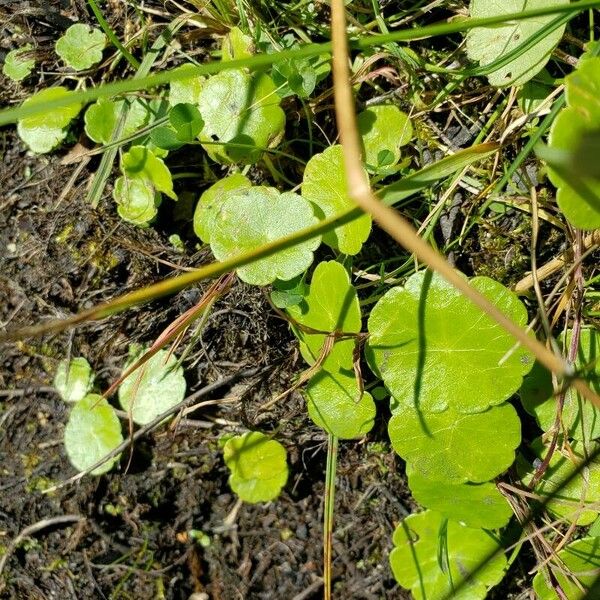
{"x":448,"y":371}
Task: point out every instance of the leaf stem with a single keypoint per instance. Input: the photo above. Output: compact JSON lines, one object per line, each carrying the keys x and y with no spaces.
{"x":328,"y":512}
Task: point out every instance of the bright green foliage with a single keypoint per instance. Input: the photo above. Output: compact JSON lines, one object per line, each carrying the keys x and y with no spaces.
{"x":141,"y":163}
{"x":45,"y":131}
{"x":81,"y":46}
{"x":568,"y":501}
{"x":300,"y":76}
{"x":186,"y":121}
{"x":474,"y":505}
{"x":211,"y":200}
{"x":336,"y":405}
{"x":137,"y":201}
{"x":258,"y":466}
{"x":102,"y":117}
{"x":289,"y":293}
{"x":241,"y":113}
{"x":236,"y":44}
{"x":574,"y":135}
{"x":255,"y":216}
{"x":153,"y":388}
{"x":488,"y":44}
{"x":93,"y":430}
{"x":581,"y":560}
{"x":324,"y":184}
{"x":331,"y":305}
{"x":580,"y":419}
{"x":434,"y":349}
{"x":16,"y":66}
{"x":454,"y":447}
{"x":73,"y":379}
{"x":434,"y":558}
{"x":185,"y":91}
{"x":384,"y":129}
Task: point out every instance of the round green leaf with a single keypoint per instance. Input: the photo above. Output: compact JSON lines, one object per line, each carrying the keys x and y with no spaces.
{"x":255,"y":216}
{"x":324,"y":184}
{"x":581,"y":560}
{"x":582,"y":89}
{"x":185,"y":90}
{"x":289,"y":293}
{"x":16,"y":66}
{"x":211,"y":200}
{"x":336,"y":405}
{"x":141,"y":163}
{"x":384,"y":129}
{"x":45,"y":131}
{"x":331,"y":305}
{"x":241,"y":113}
{"x":74,"y":379}
{"x":236,"y":45}
{"x":153,"y":388}
{"x":258,"y":466}
{"x":438,"y":559}
{"x":435,"y":349}
{"x":488,"y":44}
{"x":81,"y":46}
{"x":583,"y":490}
{"x":102,"y":117}
{"x":580,"y":419}
{"x":578,"y":197}
{"x":448,"y":446}
{"x":474,"y":505}
{"x":93,"y":430}
{"x":186,"y":120}
{"x":137,"y":202}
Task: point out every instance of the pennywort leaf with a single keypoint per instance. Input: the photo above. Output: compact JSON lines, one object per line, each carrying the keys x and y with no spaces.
{"x":44,"y":132}
{"x":93,"y":430}
{"x":241,"y":115}
{"x":141,"y":163}
{"x":73,"y":379}
{"x":255,"y":216}
{"x":153,"y":388}
{"x":137,"y":200}
{"x":488,"y":44}
{"x":434,"y":349}
{"x":418,"y":542}
{"x":185,"y":91}
{"x":17,"y":64}
{"x":331,"y":305}
{"x":102,"y":117}
{"x":258,"y":466}
{"x":324,"y":185}
{"x":443,"y":446}
{"x":81,"y":46}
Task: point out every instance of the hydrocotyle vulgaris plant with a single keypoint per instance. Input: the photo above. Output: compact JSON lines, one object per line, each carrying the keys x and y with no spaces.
{"x":335,"y":244}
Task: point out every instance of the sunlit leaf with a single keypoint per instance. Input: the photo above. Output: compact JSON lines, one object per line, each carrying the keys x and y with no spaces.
{"x":384,"y":129}
{"x":186,"y":121}
{"x":73,"y":379}
{"x":137,"y":201}
{"x":255,"y":216}
{"x":185,"y":90}
{"x":211,"y":200}
{"x":45,"y":131}
{"x":580,"y":418}
{"x":488,"y":44}
{"x":141,"y":163}
{"x":336,"y":404}
{"x":258,"y":466}
{"x":93,"y":430}
{"x":435,"y":349}
{"x":474,"y":505}
{"x":330,"y":305}
{"x":81,"y":46}
{"x":102,"y":117}
{"x":438,"y":560}
{"x":577,"y":500}
{"x":324,"y":184}
{"x":450,"y":446}
{"x":153,"y":388}
{"x":241,"y":115}
{"x":17,"y":66}
{"x":575,"y":569}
